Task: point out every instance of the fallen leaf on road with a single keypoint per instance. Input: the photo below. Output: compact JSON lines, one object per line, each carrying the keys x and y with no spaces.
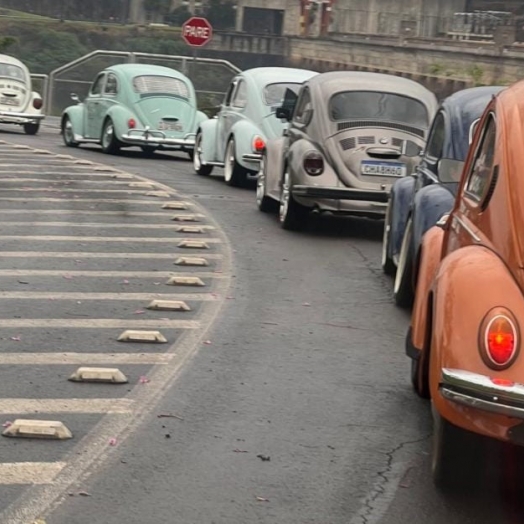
{"x":207,"y":342}
{"x":307,"y":304}
{"x":264,"y":458}
{"x":16,"y":339}
{"x":139,"y":312}
{"x":68,"y":277}
{"x":112,"y":441}
{"x":22,"y":282}
{"x":262,"y":499}
{"x":125,"y":282}
{"x":169,"y":415}
{"x":143,"y":380}
{"x":240,"y":451}
{"x":7,"y":424}
{"x":84,"y":494}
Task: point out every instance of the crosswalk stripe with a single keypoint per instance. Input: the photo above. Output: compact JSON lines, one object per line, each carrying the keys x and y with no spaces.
{"x":12,"y":473}
{"x":88,"y":255}
{"x":73,"y":212}
{"x":45,"y":180}
{"x":97,"y":323}
{"x":135,"y":240}
{"x":23,"y":406}
{"x":102,"y":274}
{"x":46,"y":295}
{"x":68,"y":358}
{"x":90,"y":224}
{"x":75,"y":190}
{"x":98,"y":200}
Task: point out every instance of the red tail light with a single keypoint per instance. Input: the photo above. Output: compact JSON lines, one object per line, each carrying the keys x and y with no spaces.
{"x":504,"y":382}
{"x":38,"y":103}
{"x":131,"y":123}
{"x":500,"y":340}
{"x":259,"y":144}
{"x":314,"y":163}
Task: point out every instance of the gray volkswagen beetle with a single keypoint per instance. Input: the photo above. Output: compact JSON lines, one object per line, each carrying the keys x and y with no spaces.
{"x":351,"y":135}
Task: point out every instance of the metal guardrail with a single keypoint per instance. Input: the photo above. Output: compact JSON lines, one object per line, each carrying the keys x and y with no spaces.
{"x":186,"y":66}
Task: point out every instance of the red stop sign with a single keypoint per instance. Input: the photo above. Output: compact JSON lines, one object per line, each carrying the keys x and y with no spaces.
{"x":197,"y":31}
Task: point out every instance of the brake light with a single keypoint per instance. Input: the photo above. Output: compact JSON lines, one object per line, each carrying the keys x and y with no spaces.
{"x":500,"y":340}
{"x":504,"y":382}
{"x":314,"y":163}
{"x":259,"y":144}
{"x":38,"y":103}
{"x":131,"y":123}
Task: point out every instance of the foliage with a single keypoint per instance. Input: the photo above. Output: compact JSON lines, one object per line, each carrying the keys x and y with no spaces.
{"x":476,"y":73}
{"x":178,"y":16}
{"x":6,"y":42}
{"x":160,"y":7}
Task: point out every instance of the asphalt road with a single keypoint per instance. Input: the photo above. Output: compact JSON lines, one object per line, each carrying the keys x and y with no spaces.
{"x":293,"y":407}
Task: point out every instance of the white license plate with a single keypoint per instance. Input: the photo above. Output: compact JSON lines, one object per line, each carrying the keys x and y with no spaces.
{"x":170,"y":126}
{"x":377,"y":168}
{"x":9,"y":101}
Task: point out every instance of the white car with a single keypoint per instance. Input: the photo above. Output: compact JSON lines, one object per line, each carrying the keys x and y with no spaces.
{"x":19,"y":104}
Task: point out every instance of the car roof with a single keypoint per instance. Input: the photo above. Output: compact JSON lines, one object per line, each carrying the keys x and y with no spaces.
{"x":335,"y":81}
{"x":6,"y":59}
{"x":463,"y":108}
{"x":268,"y":75}
{"x":132,"y":70}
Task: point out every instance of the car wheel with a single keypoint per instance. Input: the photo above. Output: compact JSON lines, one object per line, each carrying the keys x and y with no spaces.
{"x":403,"y":291}
{"x":292,"y":215}
{"x":200,"y":169}
{"x":68,"y":133}
{"x":388,"y":266}
{"x":148,"y":150}
{"x":264,"y":203}
{"x":110,"y":143}
{"x":234,"y":173}
{"x":32,"y":128}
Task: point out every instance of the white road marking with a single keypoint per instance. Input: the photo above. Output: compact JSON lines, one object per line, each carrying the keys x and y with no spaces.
{"x":68,"y":358}
{"x":73,"y":212}
{"x":99,"y":274}
{"x":133,"y":240}
{"x":75,"y":200}
{"x":57,"y":184}
{"x":29,"y":472}
{"x":88,"y":254}
{"x":97,"y":323}
{"x":46,"y":295}
{"x":72,"y":190}
{"x":24,"y":406}
{"x":172,"y":227}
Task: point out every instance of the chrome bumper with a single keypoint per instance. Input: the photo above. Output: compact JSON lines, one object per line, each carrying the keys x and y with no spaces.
{"x":480,"y":392}
{"x":341,"y":193}
{"x":255,"y":158}
{"x":146,"y":137}
{"x":12,"y":117}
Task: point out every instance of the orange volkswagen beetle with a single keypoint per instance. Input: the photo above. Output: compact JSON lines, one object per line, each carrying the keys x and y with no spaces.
{"x":468,"y":317}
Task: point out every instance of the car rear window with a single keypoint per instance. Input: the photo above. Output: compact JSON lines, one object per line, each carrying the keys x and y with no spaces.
{"x":373,"y":105}
{"x":273,"y":94}
{"x":156,"y":85}
{"x":12,"y":71}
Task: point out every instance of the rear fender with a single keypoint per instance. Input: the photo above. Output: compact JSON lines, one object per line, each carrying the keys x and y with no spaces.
{"x":208,"y":129}
{"x":120,"y":115}
{"x":400,"y":200}
{"x":244,"y":132}
{"x":31,"y":110}
{"x":430,"y":203}
{"x":464,"y":293}
{"x":76,"y":117}
{"x":430,"y":256}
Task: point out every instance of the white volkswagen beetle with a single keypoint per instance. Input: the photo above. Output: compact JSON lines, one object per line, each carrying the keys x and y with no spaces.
{"x":19,"y":104}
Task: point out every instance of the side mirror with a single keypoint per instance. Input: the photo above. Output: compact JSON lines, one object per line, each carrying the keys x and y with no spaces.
{"x":442,"y":222}
{"x":74,"y":98}
{"x":283,"y":113}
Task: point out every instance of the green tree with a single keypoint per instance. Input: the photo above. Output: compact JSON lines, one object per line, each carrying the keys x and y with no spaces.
{"x":178,"y":16}
{"x":157,"y":7}
{"x":6,"y":42}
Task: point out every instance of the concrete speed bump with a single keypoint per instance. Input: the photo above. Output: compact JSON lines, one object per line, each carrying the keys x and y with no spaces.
{"x":49,"y":429}
{"x":18,"y":146}
{"x":105,"y":169}
{"x":185,"y":281}
{"x":152,"y":337}
{"x":185,"y":218}
{"x":193,"y":244}
{"x":123,"y":176}
{"x":190,"y":229}
{"x":191,"y":261}
{"x":176,"y":205}
{"x":168,"y":305}
{"x":84,"y":162}
{"x":41,"y":152}
{"x":158,"y":194}
{"x":106,"y":375}
{"x":143,"y":185}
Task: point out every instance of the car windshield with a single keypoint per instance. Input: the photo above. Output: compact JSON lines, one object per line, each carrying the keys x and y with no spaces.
{"x":12,"y":71}
{"x":160,"y":85}
{"x":372,"y":105}
{"x":274,"y":94}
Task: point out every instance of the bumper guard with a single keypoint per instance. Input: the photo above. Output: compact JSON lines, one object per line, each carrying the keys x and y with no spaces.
{"x":147,"y":137}
{"x":19,"y":118}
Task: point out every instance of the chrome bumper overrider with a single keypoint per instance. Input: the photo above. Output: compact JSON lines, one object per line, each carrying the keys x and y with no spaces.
{"x":19,"y":118}
{"x":252,"y":157}
{"x":480,"y":392}
{"x":146,"y":137}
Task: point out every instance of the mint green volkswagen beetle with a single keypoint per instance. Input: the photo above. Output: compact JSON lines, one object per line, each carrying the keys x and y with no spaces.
{"x":149,"y":106}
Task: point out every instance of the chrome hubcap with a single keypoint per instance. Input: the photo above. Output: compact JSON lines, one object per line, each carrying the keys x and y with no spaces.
{"x":284,"y":197}
{"x":108,"y":135}
{"x":68,"y":132}
{"x":229,"y":161}
{"x":197,"y":163}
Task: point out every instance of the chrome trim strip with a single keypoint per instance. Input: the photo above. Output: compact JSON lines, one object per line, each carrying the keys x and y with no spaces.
{"x":252,"y":157}
{"x":27,"y":117}
{"x":472,"y":233}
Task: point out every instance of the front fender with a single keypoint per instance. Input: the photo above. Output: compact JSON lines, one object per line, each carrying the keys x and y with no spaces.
{"x":208,"y":130}
{"x":200,"y":118}
{"x":243,"y":132}
{"x":76,"y":117}
{"x":470,"y":282}
{"x":401,"y":197}
{"x":429,"y":204}
{"x":430,"y":256}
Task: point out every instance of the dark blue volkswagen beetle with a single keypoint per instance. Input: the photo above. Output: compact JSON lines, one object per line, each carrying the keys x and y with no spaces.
{"x":417,"y":202}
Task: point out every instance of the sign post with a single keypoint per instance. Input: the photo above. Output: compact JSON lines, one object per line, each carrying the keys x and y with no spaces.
{"x":197,"y":32}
